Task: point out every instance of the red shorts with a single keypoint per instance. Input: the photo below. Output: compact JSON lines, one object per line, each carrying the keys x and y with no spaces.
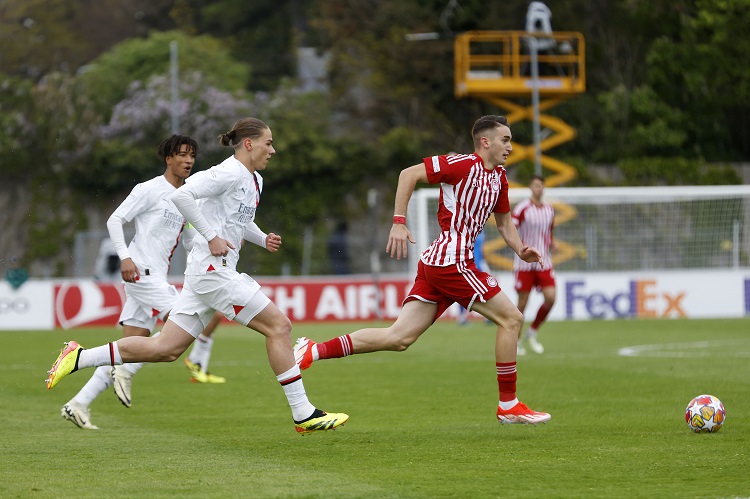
{"x":463,"y":283}
{"x":537,"y":279}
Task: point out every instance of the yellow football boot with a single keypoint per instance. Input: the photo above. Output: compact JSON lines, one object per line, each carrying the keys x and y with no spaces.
{"x":66,"y":363}
{"x":321,"y":421}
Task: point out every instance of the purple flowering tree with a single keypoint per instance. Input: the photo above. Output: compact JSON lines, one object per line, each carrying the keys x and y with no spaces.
{"x":144,"y":116}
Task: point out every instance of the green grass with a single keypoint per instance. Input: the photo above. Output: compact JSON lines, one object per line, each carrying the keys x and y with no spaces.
{"x":422,"y":422}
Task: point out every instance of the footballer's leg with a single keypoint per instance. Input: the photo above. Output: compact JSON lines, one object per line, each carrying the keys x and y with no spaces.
{"x":523,"y":298}
{"x":415,"y":317}
{"x":200,"y":355}
{"x":509,"y":320}
{"x":167,"y":347}
{"x":146,"y":303}
{"x":263,"y":316}
{"x":77,"y":409}
{"x":541,"y":315}
{"x":122,"y":375}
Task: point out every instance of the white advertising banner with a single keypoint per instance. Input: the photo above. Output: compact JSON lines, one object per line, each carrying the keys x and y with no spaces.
{"x":28,"y":307}
{"x":580,"y":296}
{"x":663,"y":294}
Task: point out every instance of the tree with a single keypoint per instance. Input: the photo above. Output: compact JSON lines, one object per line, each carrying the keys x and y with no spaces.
{"x":314,"y":179}
{"x":703,"y":70}
{"x":380,"y":81}
{"x":108,"y":77}
{"x":124,"y":150}
{"x":48,"y":131}
{"x":260,"y":34}
{"x":43,"y":36}
{"x":34,"y":41}
{"x":17,"y":123}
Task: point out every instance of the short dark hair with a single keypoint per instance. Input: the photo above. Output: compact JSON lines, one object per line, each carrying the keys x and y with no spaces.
{"x":485,"y":123}
{"x":537,"y":177}
{"x":171,"y":146}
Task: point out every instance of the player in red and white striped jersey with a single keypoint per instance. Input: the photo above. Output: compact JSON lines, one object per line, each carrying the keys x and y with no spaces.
{"x":472,"y":188}
{"x":535,"y":221}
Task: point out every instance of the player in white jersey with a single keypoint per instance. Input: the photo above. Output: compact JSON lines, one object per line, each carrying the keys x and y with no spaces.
{"x":198,"y":359}
{"x":144,"y":265}
{"x":472,"y":187}
{"x":229,"y":194}
{"x":535,"y":221}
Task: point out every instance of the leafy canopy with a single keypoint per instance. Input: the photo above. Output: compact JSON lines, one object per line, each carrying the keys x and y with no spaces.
{"x":108,"y":77}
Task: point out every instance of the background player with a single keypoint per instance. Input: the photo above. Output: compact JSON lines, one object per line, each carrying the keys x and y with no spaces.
{"x":200,"y":355}
{"x":535,"y":221}
{"x":143,"y":266}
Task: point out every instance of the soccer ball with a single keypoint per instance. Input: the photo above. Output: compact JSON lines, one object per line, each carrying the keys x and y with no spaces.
{"x":705,"y":414}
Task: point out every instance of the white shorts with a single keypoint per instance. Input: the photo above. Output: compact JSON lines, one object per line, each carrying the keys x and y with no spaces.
{"x":235,"y":295}
{"x":146,"y":300}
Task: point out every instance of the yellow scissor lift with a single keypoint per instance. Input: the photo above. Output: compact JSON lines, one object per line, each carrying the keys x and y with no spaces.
{"x":496,"y":66}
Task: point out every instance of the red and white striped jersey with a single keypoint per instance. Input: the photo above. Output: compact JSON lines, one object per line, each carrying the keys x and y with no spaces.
{"x":469,"y":194}
{"x":535,"y":224}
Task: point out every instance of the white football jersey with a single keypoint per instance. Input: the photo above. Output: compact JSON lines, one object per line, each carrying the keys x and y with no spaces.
{"x":158,"y":225}
{"x":189,"y":235}
{"x":228,"y":195}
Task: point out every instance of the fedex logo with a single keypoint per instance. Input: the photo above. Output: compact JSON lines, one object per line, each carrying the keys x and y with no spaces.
{"x":641,"y":299}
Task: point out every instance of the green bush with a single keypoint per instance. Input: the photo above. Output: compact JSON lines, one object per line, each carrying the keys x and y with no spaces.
{"x":675,"y":171}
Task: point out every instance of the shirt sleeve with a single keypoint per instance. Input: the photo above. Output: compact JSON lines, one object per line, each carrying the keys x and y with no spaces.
{"x":440,"y":170}
{"x":254,"y":235}
{"x":188,"y":237}
{"x":517,"y":215}
{"x":201,"y":185}
{"x":503,"y":203}
{"x":137,"y":202}
{"x":552,"y":228}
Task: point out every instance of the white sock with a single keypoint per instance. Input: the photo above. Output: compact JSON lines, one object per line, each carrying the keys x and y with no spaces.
{"x":530,"y":333}
{"x":100,"y":356}
{"x":99,"y":382}
{"x":201,"y":352}
{"x":294,"y":389}
{"x":315,"y":354}
{"x":133,"y":367}
{"x":508,"y":405}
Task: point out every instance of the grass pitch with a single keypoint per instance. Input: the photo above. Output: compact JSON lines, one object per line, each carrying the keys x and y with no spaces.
{"x":422,"y":421}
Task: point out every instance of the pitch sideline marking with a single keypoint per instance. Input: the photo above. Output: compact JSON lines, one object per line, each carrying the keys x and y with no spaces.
{"x":688,"y":349}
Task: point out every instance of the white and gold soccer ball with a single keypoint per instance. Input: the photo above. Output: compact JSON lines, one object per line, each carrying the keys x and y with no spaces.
{"x":705,"y":414}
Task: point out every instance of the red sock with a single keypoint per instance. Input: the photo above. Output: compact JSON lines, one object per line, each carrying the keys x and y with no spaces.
{"x":541,"y":315}
{"x":506,"y":380}
{"x":335,"y":348}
